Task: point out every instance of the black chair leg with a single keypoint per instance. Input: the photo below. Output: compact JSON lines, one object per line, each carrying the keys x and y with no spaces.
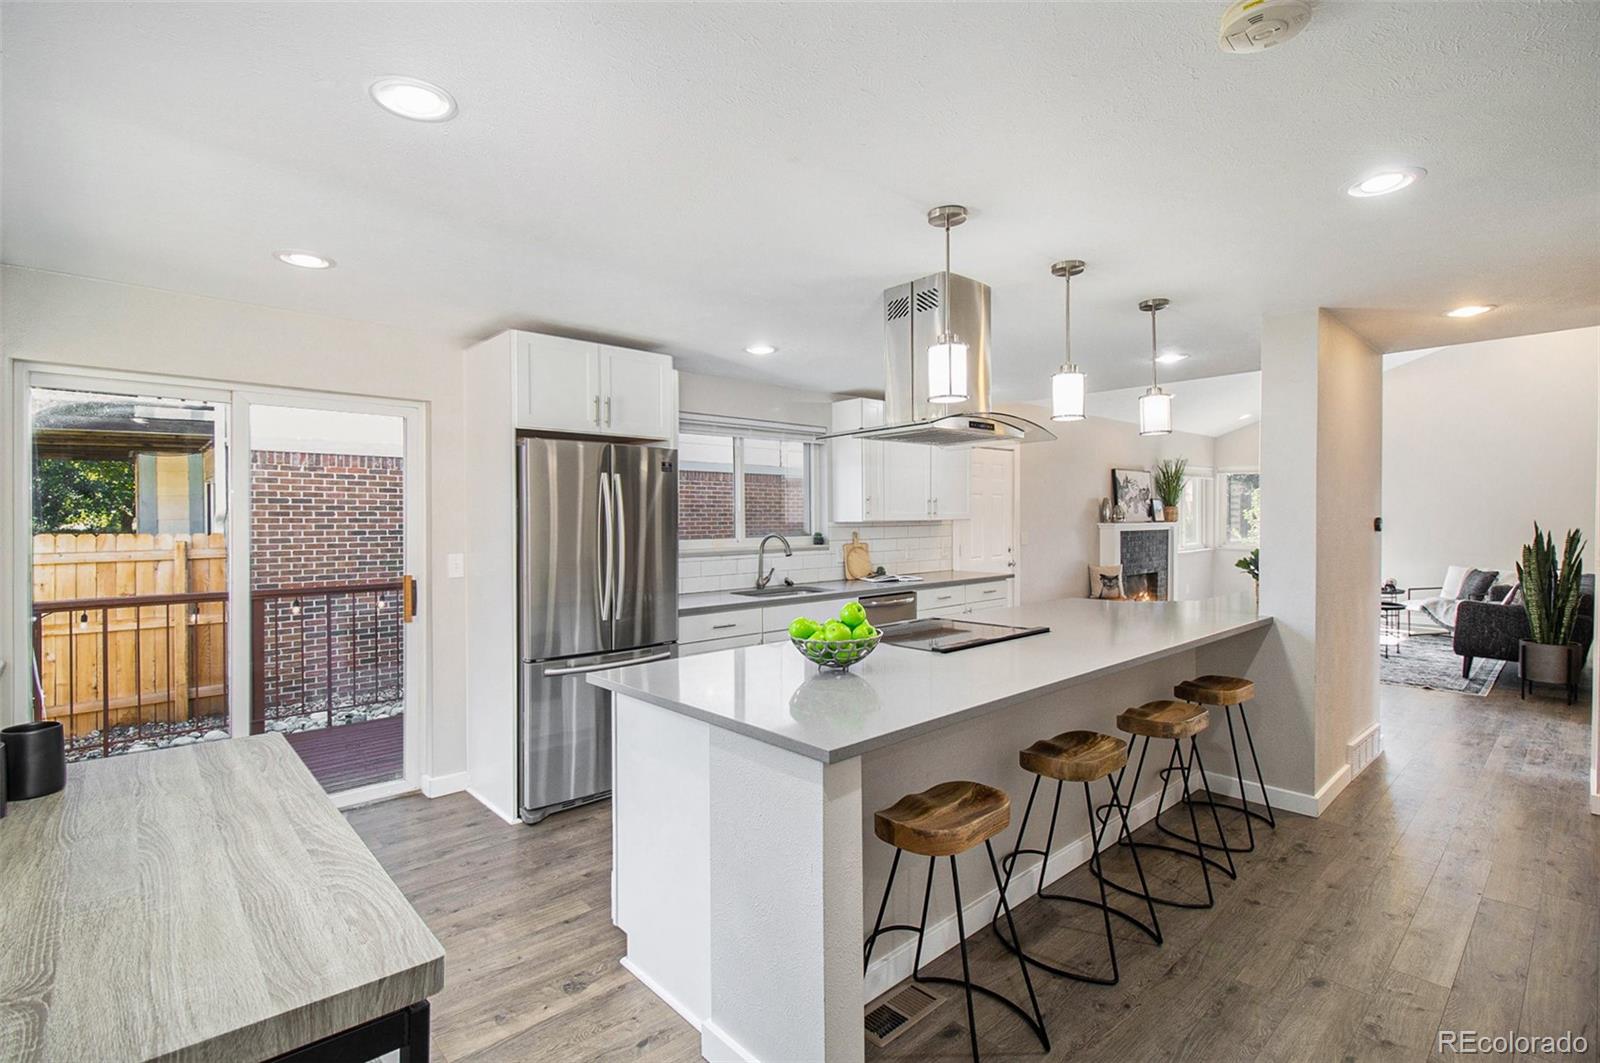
{"x":1027,"y":980}
{"x":1216,"y":820}
{"x":1174,"y":763}
{"x":966,"y":970}
{"x":1272,"y":819}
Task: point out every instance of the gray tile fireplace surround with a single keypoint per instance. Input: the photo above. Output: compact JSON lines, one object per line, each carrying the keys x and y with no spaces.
{"x":1144,"y":550}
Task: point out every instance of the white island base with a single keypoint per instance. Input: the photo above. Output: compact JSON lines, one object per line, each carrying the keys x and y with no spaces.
{"x":745,"y":868}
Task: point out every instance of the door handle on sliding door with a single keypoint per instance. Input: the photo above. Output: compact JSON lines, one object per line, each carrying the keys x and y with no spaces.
{"x":622,"y":544}
{"x":408,"y":598}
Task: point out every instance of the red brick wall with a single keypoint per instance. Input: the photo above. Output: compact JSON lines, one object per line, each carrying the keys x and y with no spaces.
{"x":317,"y":519}
{"x":772,"y":503}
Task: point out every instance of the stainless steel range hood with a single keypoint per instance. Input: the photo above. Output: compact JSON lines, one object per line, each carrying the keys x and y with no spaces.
{"x":911,"y":320}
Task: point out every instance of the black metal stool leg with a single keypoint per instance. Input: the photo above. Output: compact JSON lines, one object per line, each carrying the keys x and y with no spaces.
{"x":966,"y":970}
{"x":1272,"y":819}
{"x":1199,"y":846}
{"x":1196,"y":759}
{"x":1176,"y":763}
{"x":877,"y":924}
{"x":1154,"y":929}
{"x":1027,"y":980}
{"x":1100,"y":877}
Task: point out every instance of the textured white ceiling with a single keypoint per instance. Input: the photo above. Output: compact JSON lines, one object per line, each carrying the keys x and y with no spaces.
{"x":699,"y":177}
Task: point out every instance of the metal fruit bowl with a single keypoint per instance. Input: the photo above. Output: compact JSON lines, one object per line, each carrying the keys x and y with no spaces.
{"x":840,"y":655}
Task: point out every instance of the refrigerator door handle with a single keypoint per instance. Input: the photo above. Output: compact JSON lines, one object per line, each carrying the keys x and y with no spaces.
{"x":622,"y":546}
{"x":624,"y":663}
{"x":603,"y":560}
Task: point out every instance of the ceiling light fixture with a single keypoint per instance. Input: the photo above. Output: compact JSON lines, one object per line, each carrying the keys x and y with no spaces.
{"x":1244,"y":417}
{"x":304,"y":259}
{"x":761,"y":349}
{"x":1069,"y":385}
{"x":947,"y":356}
{"x":1386,"y":181}
{"x":1171,"y":357}
{"x":1155,"y":405}
{"x":1470,"y":311}
{"x":414,"y":99}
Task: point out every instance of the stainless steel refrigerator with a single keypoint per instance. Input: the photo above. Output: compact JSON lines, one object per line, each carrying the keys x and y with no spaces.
{"x":597,"y":575}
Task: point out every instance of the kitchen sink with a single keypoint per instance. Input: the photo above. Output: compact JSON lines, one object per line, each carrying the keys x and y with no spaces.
{"x":775,"y":592}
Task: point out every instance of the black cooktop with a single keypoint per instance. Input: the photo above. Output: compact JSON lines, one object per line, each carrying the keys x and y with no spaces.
{"x":940,"y":635}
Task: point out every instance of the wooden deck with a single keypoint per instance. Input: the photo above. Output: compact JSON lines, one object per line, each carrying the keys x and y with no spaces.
{"x":355,"y":754}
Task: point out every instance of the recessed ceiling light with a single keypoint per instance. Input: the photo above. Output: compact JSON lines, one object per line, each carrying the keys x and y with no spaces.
{"x":1244,"y":417}
{"x":1386,"y":181}
{"x":414,"y":99}
{"x":761,"y":348}
{"x":1469,"y":311}
{"x":1171,"y":357}
{"x":304,"y":259}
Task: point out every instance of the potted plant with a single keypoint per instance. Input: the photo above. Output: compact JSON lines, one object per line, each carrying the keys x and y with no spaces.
{"x":1550,"y":594}
{"x":1251,"y":563}
{"x":1169,"y":477}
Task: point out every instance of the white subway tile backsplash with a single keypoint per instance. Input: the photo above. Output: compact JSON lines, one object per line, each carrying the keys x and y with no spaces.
{"x":907,"y":548}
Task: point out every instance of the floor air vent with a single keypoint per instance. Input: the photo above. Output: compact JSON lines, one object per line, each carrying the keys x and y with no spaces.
{"x":896,"y":1014}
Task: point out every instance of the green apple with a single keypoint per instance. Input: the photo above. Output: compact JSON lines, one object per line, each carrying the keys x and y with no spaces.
{"x":863,"y":630}
{"x":836,"y":632}
{"x":802,"y":627}
{"x":854,"y":614}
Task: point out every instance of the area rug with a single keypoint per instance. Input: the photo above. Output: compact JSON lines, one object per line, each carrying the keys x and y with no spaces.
{"x":1430,"y":662}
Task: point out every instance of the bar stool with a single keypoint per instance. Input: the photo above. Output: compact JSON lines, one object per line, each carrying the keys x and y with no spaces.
{"x":1077,"y":756}
{"x":1174,"y":720}
{"x":946,"y":820}
{"x":1229,"y":692}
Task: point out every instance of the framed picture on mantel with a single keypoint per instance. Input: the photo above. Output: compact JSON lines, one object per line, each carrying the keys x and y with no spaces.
{"x":1133,"y":489}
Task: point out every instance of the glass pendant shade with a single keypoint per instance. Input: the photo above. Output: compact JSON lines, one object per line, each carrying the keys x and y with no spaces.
{"x":947,"y":370}
{"x":1155,"y":412}
{"x":1067,"y":390}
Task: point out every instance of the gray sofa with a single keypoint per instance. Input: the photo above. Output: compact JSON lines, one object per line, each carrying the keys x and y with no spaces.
{"x":1495,"y":630}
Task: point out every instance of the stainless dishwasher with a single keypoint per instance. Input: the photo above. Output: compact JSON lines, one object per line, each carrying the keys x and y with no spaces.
{"x":889,"y":608}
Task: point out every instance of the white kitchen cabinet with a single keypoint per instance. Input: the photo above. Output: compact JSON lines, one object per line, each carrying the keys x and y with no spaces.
{"x":690,"y":649}
{"x":989,"y":595}
{"x":877,"y":480}
{"x":566,"y":385}
{"x":699,"y":627}
{"x":963,"y":601}
{"x":775,"y":619}
{"x":949,"y":475}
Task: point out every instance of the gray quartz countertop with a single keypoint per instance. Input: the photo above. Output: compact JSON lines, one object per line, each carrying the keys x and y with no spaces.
{"x":717,"y":601}
{"x":772,"y":694}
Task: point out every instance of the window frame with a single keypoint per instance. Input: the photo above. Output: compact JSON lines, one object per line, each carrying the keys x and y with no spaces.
{"x":1203,"y":480}
{"x":1224,"y":541}
{"x":740,"y":430}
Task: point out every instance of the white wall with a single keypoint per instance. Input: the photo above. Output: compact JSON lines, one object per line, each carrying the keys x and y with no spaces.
{"x":725,"y":396}
{"x":1239,"y":449}
{"x":1062,"y":485}
{"x":55,"y":318}
{"x":1479,"y":441}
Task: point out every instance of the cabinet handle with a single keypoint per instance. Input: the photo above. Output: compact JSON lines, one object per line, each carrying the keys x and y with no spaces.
{"x":597,"y":411}
{"x":722,"y":627}
{"x":608,"y":411}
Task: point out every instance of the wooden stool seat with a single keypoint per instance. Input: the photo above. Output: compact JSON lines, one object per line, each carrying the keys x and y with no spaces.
{"x":1164,"y":719}
{"x":944,"y":820}
{"x":1076,"y":756}
{"x":1216,"y":690}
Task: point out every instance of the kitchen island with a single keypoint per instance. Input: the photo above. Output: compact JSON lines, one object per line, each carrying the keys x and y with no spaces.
{"x":745,"y":781}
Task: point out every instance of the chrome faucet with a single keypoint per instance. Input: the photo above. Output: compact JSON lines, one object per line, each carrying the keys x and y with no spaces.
{"x":761,"y":559}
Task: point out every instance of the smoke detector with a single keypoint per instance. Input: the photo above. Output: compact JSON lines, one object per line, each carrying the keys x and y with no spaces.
{"x":1256,"y":25}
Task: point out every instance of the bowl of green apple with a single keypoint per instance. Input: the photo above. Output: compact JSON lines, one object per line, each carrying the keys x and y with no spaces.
{"x":838,"y":643}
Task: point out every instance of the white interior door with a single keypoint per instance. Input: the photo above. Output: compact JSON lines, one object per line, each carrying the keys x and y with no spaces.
{"x":985,"y":542}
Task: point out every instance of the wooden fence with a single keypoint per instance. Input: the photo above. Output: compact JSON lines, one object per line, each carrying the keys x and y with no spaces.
{"x":153,"y":663}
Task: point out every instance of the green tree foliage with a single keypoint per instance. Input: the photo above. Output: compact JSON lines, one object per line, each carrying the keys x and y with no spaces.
{"x":71,"y":494}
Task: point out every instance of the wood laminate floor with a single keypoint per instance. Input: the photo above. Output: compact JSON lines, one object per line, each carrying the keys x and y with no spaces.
{"x":1455,"y":884}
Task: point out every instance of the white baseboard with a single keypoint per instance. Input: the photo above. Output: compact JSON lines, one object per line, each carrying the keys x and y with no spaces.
{"x":717,"y":1047}
{"x":890,"y":968}
{"x":492,"y":807}
{"x":439,"y":785}
{"x":1364,"y":748}
{"x":655,"y":987}
{"x":1594,"y":803}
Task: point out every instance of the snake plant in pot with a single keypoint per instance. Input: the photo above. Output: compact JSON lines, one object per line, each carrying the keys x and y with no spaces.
{"x":1168,"y":478}
{"x":1550,"y":593}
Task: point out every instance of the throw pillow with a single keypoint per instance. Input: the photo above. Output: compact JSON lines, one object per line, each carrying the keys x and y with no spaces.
{"x":1476,"y":586}
{"x":1453,"y":578}
{"x":1105,"y":581}
{"x":1515,"y":597}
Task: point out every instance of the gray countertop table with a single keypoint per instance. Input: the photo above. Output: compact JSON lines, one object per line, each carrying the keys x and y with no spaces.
{"x":203,"y":902}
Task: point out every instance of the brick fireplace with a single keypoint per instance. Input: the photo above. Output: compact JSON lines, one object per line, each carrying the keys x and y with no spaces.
{"x":1146,"y":553}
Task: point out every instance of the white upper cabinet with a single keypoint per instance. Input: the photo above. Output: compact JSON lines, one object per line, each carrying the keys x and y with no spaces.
{"x":566,"y":385}
{"x":639,"y":394}
{"x":873,"y":480}
{"x":949,"y":474}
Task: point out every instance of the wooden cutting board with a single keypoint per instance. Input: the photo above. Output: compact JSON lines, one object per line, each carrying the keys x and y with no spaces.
{"x":857,"y":558}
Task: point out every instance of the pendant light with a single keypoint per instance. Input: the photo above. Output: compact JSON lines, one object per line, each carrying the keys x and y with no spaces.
{"x":1155,"y":405}
{"x":1068,"y":386}
{"x":947,"y":356}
